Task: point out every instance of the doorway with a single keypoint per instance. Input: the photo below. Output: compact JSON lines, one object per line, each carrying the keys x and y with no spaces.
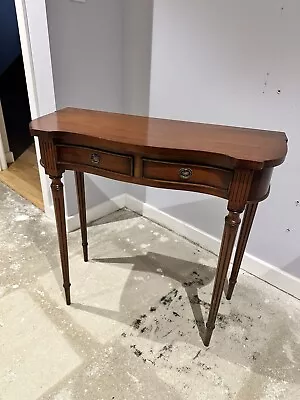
{"x":22,"y":174}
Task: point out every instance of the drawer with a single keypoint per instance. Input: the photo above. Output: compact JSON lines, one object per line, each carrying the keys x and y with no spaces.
{"x":112,"y":162}
{"x":187,"y":173}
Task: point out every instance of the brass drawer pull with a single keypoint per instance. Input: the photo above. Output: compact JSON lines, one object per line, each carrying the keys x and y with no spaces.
{"x":95,"y":158}
{"x":185,"y":173}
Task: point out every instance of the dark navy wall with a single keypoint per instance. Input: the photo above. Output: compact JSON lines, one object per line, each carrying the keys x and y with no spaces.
{"x":9,"y":34}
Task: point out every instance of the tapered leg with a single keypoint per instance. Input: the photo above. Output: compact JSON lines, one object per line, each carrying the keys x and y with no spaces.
{"x":79,"y":178}
{"x":232,"y":221}
{"x":241,"y":246}
{"x":59,"y":207}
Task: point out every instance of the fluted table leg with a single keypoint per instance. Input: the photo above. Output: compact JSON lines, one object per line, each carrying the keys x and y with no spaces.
{"x":232,"y":221}
{"x":79,"y":178}
{"x":237,"y":199}
{"x":241,"y":246}
{"x":59,"y":207}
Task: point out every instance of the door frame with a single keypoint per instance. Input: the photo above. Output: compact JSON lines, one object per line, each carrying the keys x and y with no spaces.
{"x":35,"y":46}
{"x":3,"y":139}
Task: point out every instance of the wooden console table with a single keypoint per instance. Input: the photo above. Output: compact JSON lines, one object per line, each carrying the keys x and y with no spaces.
{"x":233,"y":163}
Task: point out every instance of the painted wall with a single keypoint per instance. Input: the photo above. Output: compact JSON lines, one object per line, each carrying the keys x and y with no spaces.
{"x":86,"y":46}
{"x":101,"y":57}
{"x":224,"y":62}
{"x":9,"y":35}
{"x":137,"y":49}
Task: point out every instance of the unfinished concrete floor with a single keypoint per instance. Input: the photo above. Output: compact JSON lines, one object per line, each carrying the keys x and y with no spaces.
{"x":130,"y":333}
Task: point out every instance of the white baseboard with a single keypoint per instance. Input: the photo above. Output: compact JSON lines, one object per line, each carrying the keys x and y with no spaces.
{"x":181,"y":228}
{"x":9,"y":157}
{"x":97,"y":212}
{"x":251,"y":264}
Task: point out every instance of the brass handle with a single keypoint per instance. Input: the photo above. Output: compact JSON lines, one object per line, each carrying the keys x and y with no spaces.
{"x":95,"y":158}
{"x":185,"y":173}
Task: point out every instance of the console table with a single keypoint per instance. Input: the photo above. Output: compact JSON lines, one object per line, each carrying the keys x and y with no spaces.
{"x":233,"y":163}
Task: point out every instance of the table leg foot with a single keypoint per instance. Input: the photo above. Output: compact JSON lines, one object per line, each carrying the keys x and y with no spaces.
{"x":85,"y":252}
{"x":230,"y":289}
{"x":208,"y":335}
{"x":67,"y":294}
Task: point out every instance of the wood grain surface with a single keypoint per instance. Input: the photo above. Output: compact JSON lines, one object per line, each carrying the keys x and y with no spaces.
{"x":262,"y":148}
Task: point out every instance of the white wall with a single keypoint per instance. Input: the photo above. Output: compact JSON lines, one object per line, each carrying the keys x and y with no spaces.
{"x":86,"y":50}
{"x":86,"y":44}
{"x":137,"y":48}
{"x":101,"y":55}
{"x":210,"y":63}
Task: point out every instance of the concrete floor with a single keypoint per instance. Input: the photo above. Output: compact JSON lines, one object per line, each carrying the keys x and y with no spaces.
{"x":130,"y":333}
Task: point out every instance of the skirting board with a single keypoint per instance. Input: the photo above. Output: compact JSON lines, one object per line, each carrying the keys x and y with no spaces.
{"x":251,"y":264}
{"x":96,"y":212}
{"x":9,"y":157}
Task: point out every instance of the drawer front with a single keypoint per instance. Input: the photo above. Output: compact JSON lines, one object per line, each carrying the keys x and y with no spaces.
{"x":95,"y":158}
{"x":187,"y":174}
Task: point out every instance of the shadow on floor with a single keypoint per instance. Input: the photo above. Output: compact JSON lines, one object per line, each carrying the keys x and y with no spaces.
{"x":198,"y":276}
